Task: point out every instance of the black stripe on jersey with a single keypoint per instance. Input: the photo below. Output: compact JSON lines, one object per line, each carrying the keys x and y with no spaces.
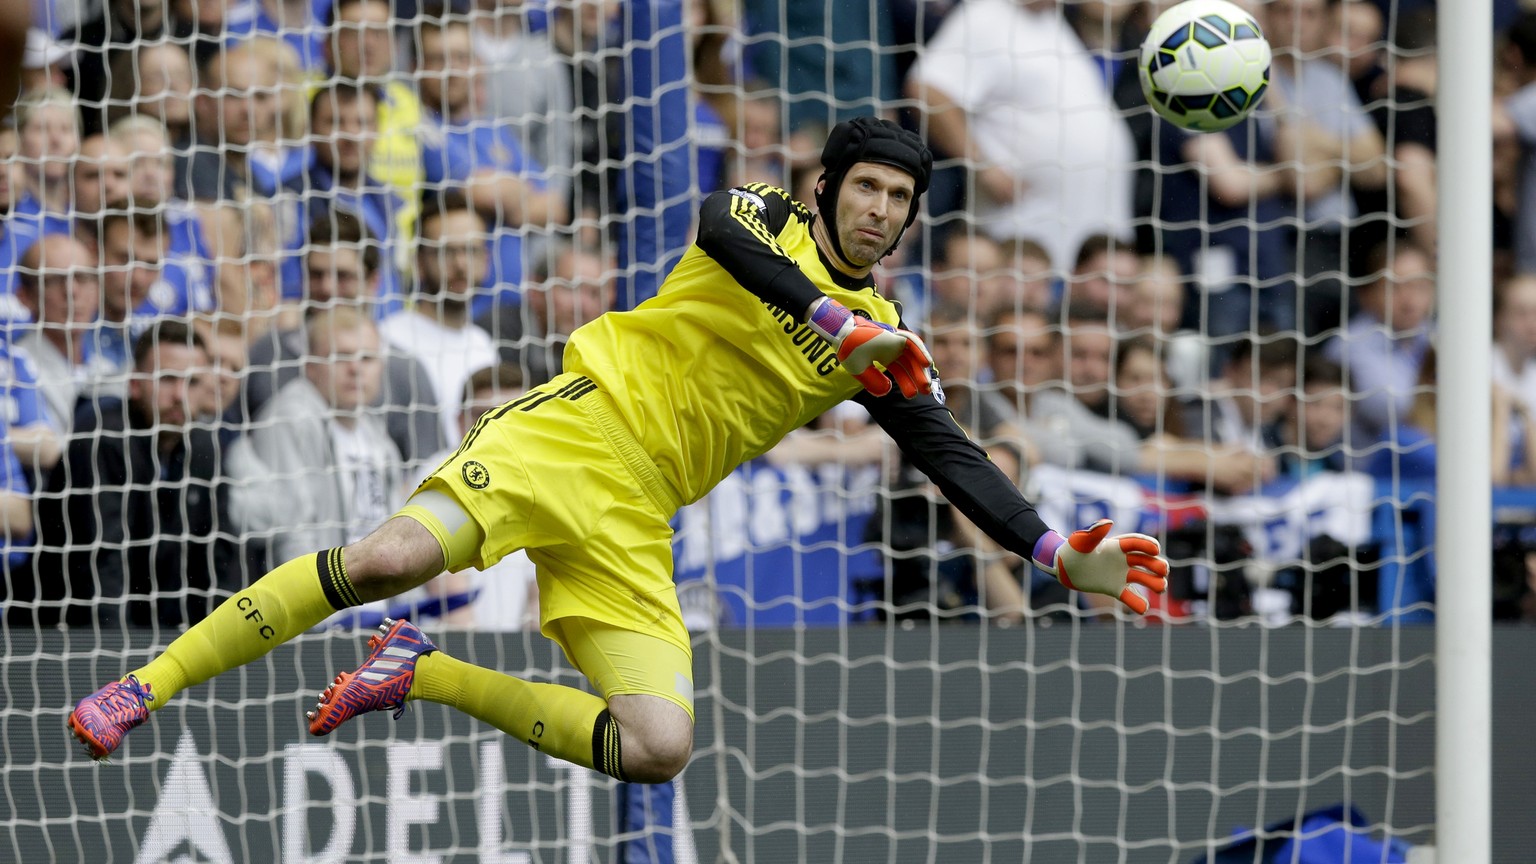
{"x":581,"y":391}
{"x":562,"y":392}
{"x":743,"y":210}
{"x":487,"y":417}
{"x":800,"y":211}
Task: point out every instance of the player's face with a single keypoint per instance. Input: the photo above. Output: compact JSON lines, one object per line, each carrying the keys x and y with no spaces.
{"x":451,"y":257}
{"x":164,"y":391}
{"x":448,"y":59}
{"x":348,"y":371}
{"x":102,"y":175}
{"x":130,"y":265}
{"x":872,"y":210}
{"x":361,"y":44}
{"x":343,"y":130}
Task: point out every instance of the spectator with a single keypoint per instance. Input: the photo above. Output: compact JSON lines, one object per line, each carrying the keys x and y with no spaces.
{"x":361,"y":51}
{"x":1514,"y":340}
{"x":236,"y":108}
{"x":153,"y":80}
{"x":1078,"y":412}
{"x":504,"y":596}
{"x":451,"y":263}
{"x":1412,"y":456}
{"x":151,"y":161}
{"x":529,"y":87}
{"x":338,"y":178}
{"x":1356,"y":28}
{"x":1244,"y":406}
{"x":836,"y":60}
{"x":205,"y":25}
{"x":1383,"y":347}
{"x":1036,"y":287}
{"x":300,"y":23}
{"x":761,"y":154}
{"x":1010,"y":89}
{"x":59,"y":288}
{"x":588,"y":41}
{"x":532,"y":335}
{"x":1155,"y":307}
{"x":102,"y":174}
{"x":1515,"y":120}
{"x":50,"y":142}
{"x":1102,"y":276}
{"x":1225,"y":198}
{"x":317,"y":438}
{"x":137,"y":516}
{"x":1405,"y":116}
{"x":970,"y":274}
{"x":1142,"y":390}
{"x":1336,"y":144}
{"x":1314,"y":434}
{"x":1111,"y":32}
{"x":341,"y":267}
{"x":21,"y":223}
{"x":140,"y":278}
{"x":43,"y":63}
{"x":119,"y":28}
{"x":502,"y":183}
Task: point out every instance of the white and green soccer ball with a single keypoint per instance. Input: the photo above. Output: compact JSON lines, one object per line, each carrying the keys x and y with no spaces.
{"x":1204,"y":65}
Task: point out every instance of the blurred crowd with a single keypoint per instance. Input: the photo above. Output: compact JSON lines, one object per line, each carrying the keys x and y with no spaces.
{"x":263,"y":261}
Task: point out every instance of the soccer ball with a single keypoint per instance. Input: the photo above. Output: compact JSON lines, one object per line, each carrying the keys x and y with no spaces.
{"x":1204,"y":65}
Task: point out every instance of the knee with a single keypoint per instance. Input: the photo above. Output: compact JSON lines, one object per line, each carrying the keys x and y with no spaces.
{"x":655,"y":757}
{"x":398,"y":556}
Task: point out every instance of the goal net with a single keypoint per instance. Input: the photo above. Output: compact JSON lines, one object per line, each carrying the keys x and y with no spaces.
{"x":373,"y":221}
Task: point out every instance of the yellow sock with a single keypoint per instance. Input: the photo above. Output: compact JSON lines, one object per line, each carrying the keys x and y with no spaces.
{"x":275,"y":608}
{"x":565,"y":722}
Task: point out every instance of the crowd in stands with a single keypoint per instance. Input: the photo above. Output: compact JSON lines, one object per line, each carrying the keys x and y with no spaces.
{"x":263,"y":261}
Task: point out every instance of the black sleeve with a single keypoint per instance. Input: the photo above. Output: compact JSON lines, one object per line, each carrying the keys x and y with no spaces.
{"x":738,"y":228}
{"x":931,"y":439}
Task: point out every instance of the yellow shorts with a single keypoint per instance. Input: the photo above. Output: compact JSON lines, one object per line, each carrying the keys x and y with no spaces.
{"x":558,"y":473}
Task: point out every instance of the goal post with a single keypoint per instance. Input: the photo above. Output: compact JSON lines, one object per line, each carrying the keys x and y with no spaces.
{"x":1463,"y":598}
{"x":871,"y":682}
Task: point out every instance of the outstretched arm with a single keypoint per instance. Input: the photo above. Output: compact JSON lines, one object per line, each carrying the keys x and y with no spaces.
{"x":1087,"y":560}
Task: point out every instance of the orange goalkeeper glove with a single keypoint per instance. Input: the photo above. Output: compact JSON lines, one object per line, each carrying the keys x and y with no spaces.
{"x":1091,"y":560}
{"x":874,"y":353}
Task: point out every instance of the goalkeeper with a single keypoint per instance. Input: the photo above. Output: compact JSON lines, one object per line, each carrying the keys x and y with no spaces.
{"x":768,"y":321}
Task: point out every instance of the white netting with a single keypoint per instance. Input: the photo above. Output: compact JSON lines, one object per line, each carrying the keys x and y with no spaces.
{"x":1222,"y":341}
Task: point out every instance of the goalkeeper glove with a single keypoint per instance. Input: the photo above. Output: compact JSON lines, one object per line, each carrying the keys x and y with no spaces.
{"x":861,"y":344}
{"x":1091,"y":560}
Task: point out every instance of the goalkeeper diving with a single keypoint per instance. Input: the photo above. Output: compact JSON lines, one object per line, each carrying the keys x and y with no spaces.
{"x":769,"y":320}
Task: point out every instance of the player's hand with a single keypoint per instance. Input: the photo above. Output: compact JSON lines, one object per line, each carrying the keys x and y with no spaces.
{"x":874,"y":353}
{"x":1091,"y":560}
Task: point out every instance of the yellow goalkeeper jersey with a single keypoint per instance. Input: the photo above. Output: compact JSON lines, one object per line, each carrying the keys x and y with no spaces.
{"x":707,"y":373}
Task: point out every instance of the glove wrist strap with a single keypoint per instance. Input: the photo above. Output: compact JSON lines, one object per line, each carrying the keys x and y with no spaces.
{"x":828,"y":318}
{"x":1045,"y":550}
